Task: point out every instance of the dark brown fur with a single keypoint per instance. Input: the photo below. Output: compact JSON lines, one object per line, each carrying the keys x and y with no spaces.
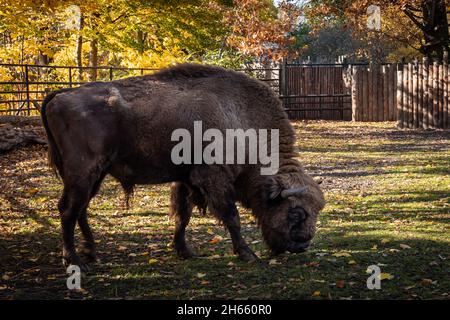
{"x":123,"y":128}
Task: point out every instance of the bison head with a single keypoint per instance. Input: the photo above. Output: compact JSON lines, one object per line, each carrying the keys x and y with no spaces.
{"x":292,"y":204}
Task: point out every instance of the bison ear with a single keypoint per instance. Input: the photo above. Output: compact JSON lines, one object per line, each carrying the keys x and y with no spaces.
{"x":273,"y":187}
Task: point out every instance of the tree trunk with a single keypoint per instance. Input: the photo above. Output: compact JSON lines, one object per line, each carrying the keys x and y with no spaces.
{"x":435,"y":29}
{"x":93,"y":60}
{"x":79,"y":51}
{"x":141,"y":37}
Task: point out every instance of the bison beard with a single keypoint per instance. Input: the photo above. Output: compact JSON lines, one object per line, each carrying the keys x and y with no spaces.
{"x":123,"y":128}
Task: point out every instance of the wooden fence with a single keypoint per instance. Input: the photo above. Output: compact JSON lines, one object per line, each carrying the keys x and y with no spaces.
{"x":374,"y":92}
{"x":414,"y":94}
{"x":423,"y":96}
{"x":315,"y":91}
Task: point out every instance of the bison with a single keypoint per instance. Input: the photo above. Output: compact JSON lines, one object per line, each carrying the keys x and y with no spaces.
{"x":123,"y":128}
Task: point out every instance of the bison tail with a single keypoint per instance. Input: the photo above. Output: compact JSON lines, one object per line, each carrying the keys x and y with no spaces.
{"x":54,"y":156}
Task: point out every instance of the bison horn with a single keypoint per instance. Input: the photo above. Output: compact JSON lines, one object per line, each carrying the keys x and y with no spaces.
{"x":294,"y":192}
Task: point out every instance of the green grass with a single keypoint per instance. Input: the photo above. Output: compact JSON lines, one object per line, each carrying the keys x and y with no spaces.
{"x":388,"y":203}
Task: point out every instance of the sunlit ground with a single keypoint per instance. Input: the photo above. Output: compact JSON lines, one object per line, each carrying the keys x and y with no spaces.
{"x":388,"y":194}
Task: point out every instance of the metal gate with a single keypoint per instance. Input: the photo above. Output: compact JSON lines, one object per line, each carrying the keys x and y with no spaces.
{"x":316,"y":91}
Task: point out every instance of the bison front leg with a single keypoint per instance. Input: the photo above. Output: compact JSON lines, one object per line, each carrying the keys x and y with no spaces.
{"x":221,"y":202}
{"x":230,"y":219}
{"x":181,"y":209}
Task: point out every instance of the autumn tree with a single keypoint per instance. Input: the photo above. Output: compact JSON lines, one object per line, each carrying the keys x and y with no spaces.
{"x":418,"y":24}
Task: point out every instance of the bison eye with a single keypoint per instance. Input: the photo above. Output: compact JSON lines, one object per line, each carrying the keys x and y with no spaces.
{"x":297,"y":215}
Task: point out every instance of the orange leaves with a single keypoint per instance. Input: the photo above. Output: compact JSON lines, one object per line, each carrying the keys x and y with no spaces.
{"x":216,"y":239}
{"x":258,"y":28}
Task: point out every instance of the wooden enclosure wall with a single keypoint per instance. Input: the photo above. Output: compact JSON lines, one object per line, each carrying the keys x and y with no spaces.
{"x":423,"y":96}
{"x":316,"y":92}
{"x":374,"y":92}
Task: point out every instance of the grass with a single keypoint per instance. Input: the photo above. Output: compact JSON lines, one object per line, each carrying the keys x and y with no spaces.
{"x":388,"y":194}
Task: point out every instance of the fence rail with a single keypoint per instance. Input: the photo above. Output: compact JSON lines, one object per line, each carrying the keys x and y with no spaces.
{"x":29,"y":84}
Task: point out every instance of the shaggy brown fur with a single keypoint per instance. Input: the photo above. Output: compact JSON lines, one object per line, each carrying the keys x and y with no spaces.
{"x":124,"y":128}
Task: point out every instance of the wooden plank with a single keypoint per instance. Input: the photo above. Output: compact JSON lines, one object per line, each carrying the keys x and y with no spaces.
{"x":354,"y":92}
{"x":414,"y":95}
{"x":442,"y":96}
{"x":375,"y":92}
{"x":435,"y":93}
{"x":420,"y":97}
{"x":425,"y":94}
{"x":399,"y":107}
{"x":446,"y":95}
{"x":365,"y":93}
{"x":370,"y":94}
{"x":361,"y":85}
{"x":405,"y":95}
{"x":430,"y":102}
{"x":438,"y":96}
{"x":385,"y":72}
{"x":410,"y":118}
{"x":392,"y":92}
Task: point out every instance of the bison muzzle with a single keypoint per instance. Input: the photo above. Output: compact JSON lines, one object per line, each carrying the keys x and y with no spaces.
{"x":123,"y":128}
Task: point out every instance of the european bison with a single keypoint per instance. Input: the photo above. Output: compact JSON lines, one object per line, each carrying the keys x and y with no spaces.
{"x":123,"y":128}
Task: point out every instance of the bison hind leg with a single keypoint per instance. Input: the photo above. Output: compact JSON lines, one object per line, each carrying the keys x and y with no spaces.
{"x":89,"y":247}
{"x":181,"y":209}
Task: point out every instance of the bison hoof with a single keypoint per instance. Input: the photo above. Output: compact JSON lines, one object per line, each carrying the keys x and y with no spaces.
{"x":75,"y":260}
{"x":248,"y":255}
{"x":90,"y":254}
{"x":186,"y":253}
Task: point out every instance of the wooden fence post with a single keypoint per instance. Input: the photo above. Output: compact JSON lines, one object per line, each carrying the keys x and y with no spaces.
{"x":435,"y":95}
{"x":400,"y":95}
{"x":27,"y":88}
{"x":446,"y":89}
{"x":420,"y":97}
{"x":385,"y":101}
{"x":425,"y":93}
{"x":355,"y":93}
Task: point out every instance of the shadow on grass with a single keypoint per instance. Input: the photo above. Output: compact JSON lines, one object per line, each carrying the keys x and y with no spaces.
{"x":141,"y":265}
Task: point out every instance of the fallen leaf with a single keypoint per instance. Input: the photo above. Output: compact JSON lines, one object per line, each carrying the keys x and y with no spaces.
{"x":340,"y":284}
{"x":352,"y":262}
{"x":316,"y":294}
{"x":132,"y":255}
{"x":273,"y":262}
{"x":404,"y":246}
{"x":313,"y":264}
{"x":201,"y":275}
{"x":216,"y":239}
{"x":426,"y":281}
{"x":204,"y":282}
{"x":32,"y":191}
{"x":384,"y":241}
{"x":3,"y":287}
{"x":210,"y":231}
{"x":122,"y":248}
{"x":152,"y":261}
{"x":342,"y":254}
{"x":375,"y":247}
{"x":386,"y":276}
